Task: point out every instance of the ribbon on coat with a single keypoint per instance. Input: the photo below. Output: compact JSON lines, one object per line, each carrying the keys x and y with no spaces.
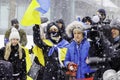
{"x":62,"y":44}
{"x":57,"y":47}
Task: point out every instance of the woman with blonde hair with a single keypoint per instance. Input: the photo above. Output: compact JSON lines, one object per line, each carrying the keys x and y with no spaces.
{"x":14,"y":53}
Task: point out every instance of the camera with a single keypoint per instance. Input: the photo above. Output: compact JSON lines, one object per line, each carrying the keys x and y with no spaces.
{"x":98,"y":52}
{"x":94,"y":32}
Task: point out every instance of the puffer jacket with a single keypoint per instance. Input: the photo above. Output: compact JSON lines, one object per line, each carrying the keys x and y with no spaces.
{"x":78,"y":54}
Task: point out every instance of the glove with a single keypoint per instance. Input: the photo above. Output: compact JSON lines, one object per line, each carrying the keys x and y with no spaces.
{"x":72,"y":66}
{"x":72,"y":69}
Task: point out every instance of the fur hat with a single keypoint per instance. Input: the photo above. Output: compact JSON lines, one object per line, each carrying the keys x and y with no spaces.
{"x":14,"y":34}
{"x":115,"y":23}
{"x":74,"y":25}
{"x":108,"y":74}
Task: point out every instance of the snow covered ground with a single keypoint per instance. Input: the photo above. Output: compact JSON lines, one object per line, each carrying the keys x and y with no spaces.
{"x":29,"y":38}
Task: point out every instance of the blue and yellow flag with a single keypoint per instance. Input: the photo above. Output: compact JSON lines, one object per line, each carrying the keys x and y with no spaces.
{"x":32,"y":14}
{"x":44,"y":6}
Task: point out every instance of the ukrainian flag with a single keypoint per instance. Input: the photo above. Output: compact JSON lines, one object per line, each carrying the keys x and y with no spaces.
{"x":32,"y":14}
{"x":44,"y":6}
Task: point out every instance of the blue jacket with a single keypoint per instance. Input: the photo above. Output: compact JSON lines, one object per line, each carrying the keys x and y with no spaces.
{"x":78,"y":54}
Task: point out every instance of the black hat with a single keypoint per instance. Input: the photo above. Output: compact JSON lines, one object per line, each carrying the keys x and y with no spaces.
{"x":48,"y":29}
{"x":44,"y":19}
{"x":60,"y":21}
{"x":86,"y":18}
{"x":63,"y":24}
{"x":14,"y":21}
{"x":102,"y":11}
{"x":50,"y":25}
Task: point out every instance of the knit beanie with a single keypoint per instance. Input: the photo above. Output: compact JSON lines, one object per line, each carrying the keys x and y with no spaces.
{"x":14,"y":34}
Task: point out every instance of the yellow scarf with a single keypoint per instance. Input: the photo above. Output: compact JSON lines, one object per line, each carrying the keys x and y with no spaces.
{"x":28,"y":62}
{"x":38,"y":52}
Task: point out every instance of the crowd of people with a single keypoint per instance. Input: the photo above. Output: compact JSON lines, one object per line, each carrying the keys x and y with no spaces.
{"x":88,"y":49}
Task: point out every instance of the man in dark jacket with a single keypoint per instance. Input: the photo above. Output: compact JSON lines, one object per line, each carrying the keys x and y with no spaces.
{"x":112,"y":49}
{"x":99,"y":44}
{"x":23,"y":37}
{"x":115,"y":32}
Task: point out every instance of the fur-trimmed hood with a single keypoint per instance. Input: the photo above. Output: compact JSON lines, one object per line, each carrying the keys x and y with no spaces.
{"x":74,"y":25}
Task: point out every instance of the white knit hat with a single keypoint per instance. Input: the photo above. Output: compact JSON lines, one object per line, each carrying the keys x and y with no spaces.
{"x":74,"y":25}
{"x":14,"y":34}
{"x":110,"y":75}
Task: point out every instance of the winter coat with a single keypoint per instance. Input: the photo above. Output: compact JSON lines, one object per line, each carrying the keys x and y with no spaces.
{"x":19,"y":65}
{"x":48,"y":58}
{"x":23,"y":36}
{"x":100,"y":49}
{"x":112,"y":54}
{"x":115,"y":55}
{"x":78,"y":54}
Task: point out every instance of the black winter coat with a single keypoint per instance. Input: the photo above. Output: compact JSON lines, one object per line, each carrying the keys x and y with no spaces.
{"x":19,"y":65}
{"x":115,"y":55}
{"x":112,"y":51}
{"x":50,"y":62}
{"x":100,"y":48}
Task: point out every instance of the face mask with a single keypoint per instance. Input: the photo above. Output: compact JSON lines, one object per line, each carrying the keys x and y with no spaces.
{"x":96,"y":19}
{"x":54,"y":34}
{"x":56,"y":38}
{"x":16,"y":26}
